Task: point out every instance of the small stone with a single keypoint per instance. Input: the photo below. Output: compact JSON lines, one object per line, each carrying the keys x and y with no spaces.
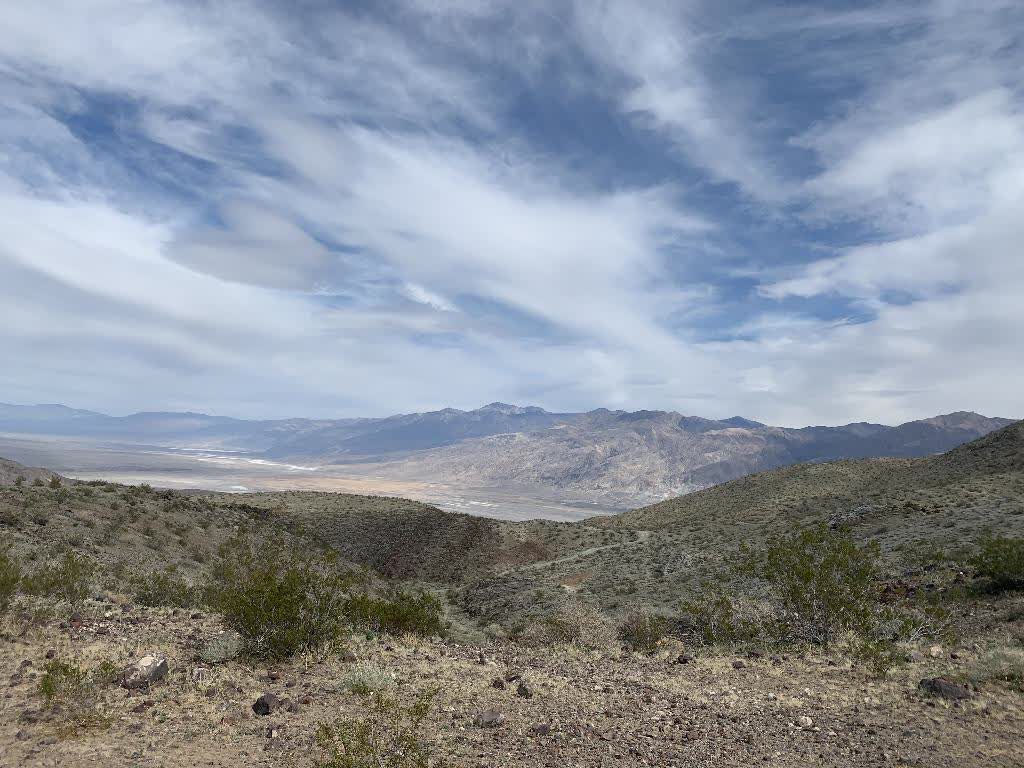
{"x":349,"y":657}
{"x":684,"y":658}
{"x":738,"y":664}
{"x":306,"y":700}
{"x":935,"y":651}
{"x":266,"y":704}
{"x":51,"y":654}
{"x":146,"y":671}
{"x":523,"y":690}
{"x":490,"y":718}
{"x":141,"y":707}
{"x":804,"y":722}
{"x":273,"y":675}
{"x":541,"y":729}
{"x":200,"y":674}
{"x":498,"y":683}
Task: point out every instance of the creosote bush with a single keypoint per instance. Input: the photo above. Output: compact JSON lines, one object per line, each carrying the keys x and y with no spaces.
{"x":10,"y":576}
{"x":72,"y":693}
{"x":1000,"y":560}
{"x":280,"y":600}
{"x":68,"y":578}
{"x":388,"y":737}
{"x":642,"y":631}
{"x":283,"y":601}
{"x":162,"y":588}
{"x":400,"y":612}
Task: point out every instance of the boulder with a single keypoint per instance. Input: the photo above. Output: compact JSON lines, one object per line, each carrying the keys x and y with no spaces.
{"x":146,"y":671}
{"x":266,"y":704}
{"x":944,"y":688}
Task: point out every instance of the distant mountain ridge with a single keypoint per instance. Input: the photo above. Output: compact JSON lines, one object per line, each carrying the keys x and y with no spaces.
{"x":618,"y":456}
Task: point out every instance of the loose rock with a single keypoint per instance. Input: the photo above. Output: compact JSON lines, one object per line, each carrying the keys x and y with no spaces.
{"x":146,"y":671}
{"x":266,"y":704}
{"x":490,"y":718}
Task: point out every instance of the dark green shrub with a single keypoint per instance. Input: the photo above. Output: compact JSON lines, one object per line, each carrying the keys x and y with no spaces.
{"x":389,"y":737}
{"x":401,"y":612}
{"x":716,"y":617}
{"x":19,"y":481}
{"x":55,"y":482}
{"x":824,"y":581}
{"x":10,"y":575}
{"x":279,"y":600}
{"x":38,"y":482}
{"x":164,"y":589}
{"x":1000,"y":560}
{"x":642,"y":631}
{"x":68,"y":578}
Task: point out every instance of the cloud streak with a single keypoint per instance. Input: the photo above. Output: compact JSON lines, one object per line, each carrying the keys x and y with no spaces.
{"x":257,"y":211}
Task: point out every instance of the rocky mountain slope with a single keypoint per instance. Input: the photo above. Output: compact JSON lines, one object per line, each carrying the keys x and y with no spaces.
{"x":507,"y":692}
{"x":612,"y":457}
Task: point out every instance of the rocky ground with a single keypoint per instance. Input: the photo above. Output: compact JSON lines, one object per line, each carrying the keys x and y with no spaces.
{"x":499,"y":705}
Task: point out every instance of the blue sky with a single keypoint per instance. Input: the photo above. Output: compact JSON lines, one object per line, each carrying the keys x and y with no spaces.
{"x":797,"y":212}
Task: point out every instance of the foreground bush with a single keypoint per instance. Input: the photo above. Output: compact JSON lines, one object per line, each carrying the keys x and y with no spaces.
{"x":1000,"y":560}
{"x":10,"y":575}
{"x":642,"y":631}
{"x":401,"y":612}
{"x":279,"y":600}
{"x":73,"y":694}
{"x":388,"y":737}
{"x":826,"y":583}
{"x":68,"y":578}
{"x":162,"y":588}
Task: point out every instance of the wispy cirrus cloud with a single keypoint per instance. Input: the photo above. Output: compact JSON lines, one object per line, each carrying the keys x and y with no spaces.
{"x":257,"y":209}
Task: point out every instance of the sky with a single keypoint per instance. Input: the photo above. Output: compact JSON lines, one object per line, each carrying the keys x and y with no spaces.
{"x":802,"y":213}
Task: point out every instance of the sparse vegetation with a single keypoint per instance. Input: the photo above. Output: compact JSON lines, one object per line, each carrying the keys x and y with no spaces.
{"x":68,"y":577}
{"x":1000,"y":561}
{"x":281,"y":600}
{"x":390,"y":736}
{"x":364,"y":679}
{"x":71,"y":692}
{"x":164,"y":588}
{"x":10,"y":576}
{"x":400,"y":612}
{"x":642,"y":631}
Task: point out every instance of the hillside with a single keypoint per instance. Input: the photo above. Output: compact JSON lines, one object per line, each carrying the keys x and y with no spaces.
{"x":535,"y":668}
{"x":613,"y":458}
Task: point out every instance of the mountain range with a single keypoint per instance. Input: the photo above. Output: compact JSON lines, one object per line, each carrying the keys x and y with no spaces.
{"x":618,"y":457}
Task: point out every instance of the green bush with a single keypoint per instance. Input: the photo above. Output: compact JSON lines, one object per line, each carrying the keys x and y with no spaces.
{"x":10,"y":575}
{"x":825,"y":582}
{"x":19,"y":481}
{"x":642,"y":631}
{"x":1000,"y":560}
{"x":161,"y":588}
{"x":279,"y":600}
{"x":401,"y":612}
{"x":389,"y":737}
{"x":68,"y":578}
{"x":55,"y":482}
{"x":72,"y":693}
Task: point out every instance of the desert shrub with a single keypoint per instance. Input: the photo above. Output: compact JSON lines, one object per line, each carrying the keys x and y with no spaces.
{"x":72,"y":693}
{"x":715,"y":616}
{"x":1004,"y":665}
{"x":824,"y":581}
{"x":68,"y":578}
{"x":162,"y":588}
{"x":10,"y":575}
{"x":19,"y":481}
{"x":280,"y":600}
{"x":55,"y":482}
{"x":400,"y":612}
{"x":365,"y":679}
{"x":1000,"y":560}
{"x":574,"y":623}
{"x":38,"y":482}
{"x":388,"y":737}
{"x":642,"y":631}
